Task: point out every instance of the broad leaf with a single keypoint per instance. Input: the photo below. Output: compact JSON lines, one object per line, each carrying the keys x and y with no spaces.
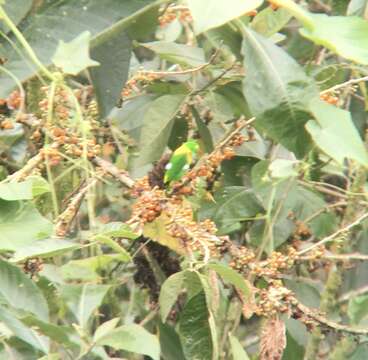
{"x":44,"y":249}
{"x":91,"y":268}
{"x":20,"y":225}
{"x":83,"y":299}
{"x":60,"y":334}
{"x":113,"y":53}
{"x":177,"y":53}
{"x":282,"y":110}
{"x":18,"y":291}
{"x":237,"y":349}
{"x":16,"y":10}
{"x":208,"y":14}
{"x":232,"y":204}
{"x":132,"y":338}
{"x":24,"y":190}
{"x":105,"y":328}
{"x":334,"y":132}
{"x":234,"y":278}
{"x":281,"y":168}
{"x":169,"y":293}
{"x":358,"y":8}
{"x":23,"y":332}
{"x":344,"y":35}
{"x":358,"y":308}
{"x":64,"y":21}
{"x":117,"y":229}
{"x":194,"y":329}
{"x":170,"y":343}
{"x":73,"y":57}
{"x":268,"y":22}
{"x":157,"y":231}
{"x":157,"y":125}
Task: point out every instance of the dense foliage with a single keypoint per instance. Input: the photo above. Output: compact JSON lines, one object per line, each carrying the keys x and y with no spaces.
{"x":183,"y":180}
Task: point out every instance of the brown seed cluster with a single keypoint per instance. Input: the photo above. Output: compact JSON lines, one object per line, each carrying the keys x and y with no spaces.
{"x":329,"y":98}
{"x":302,"y":231}
{"x":275,"y":264}
{"x":63,"y":130}
{"x":195,"y":236}
{"x":241,"y":259}
{"x":6,"y":124}
{"x":135,"y":85}
{"x":14,"y":100}
{"x":275,"y":299}
{"x":148,"y":206}
{"x":172,"y":12}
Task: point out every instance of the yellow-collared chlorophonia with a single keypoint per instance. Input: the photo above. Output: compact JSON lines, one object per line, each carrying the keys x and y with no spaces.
{"x":180,"y":160}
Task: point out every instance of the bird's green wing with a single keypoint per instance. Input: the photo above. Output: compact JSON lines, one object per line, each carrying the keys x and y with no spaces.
{"x":176,"y":168}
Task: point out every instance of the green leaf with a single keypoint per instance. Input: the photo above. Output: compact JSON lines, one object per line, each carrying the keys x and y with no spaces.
{"x":89,"y":269}
{"x":177,"y":53}
{"x":195,"y":331}
{"x":208,"y":14}
{"x":170,"y":343}
{"x":157,"y":125}
{"x":358,"y":8}
{"x":16,"y":10}
{"x":44,"y":249}
{"x":82,"y":300}
{"x":117,"y":229}
{"x":358,"y":308}
{"x":129,"y":118}
{"x":24,"y":190}
{"x":346,"y":36}
{"x":334,"y":132}
{"x":20,"y":225}
{"x":237,"y":349}
{"x":169,"y":293}
{"x":232,"y":204}
{"x":133,"y":338}
{"x":234,"y":278}
{"x":105,"y":328}
{"x":281,"y":168}
{"x":23,"y":332}
{"x":65,"y":20}
{"x":268,"y":22}
{"x":60,"y":334}
{"x":17,"y":290}
{"x":109,"y":77}
{"x":282,"y":110}
{"x":73,"y":57}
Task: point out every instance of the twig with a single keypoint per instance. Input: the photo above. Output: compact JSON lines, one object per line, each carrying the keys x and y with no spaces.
{"x":181,"y":72}
{"x":344,"y":84}
{"x":338,"y":257}
{"x":65,"y":219}
{"x":352,"y":294}
{"x":31,"y":164}
{"x":331,"y":324}
{"x":114,"y":171}
{"x":335,"y":234}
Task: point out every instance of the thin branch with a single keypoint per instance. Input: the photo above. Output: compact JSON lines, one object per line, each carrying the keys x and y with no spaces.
{"x":344,"y":84}
{"x":114,"y":171}
{"x":181,"y":72}
{"x":352,"y":294}
{"x":335,"y":234}
{"x":338,"y":257}
{"x":331,"y":324}
{"x":65,"y":219}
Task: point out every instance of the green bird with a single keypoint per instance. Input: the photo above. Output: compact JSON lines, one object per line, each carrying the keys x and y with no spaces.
{"x":180,"y":160}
